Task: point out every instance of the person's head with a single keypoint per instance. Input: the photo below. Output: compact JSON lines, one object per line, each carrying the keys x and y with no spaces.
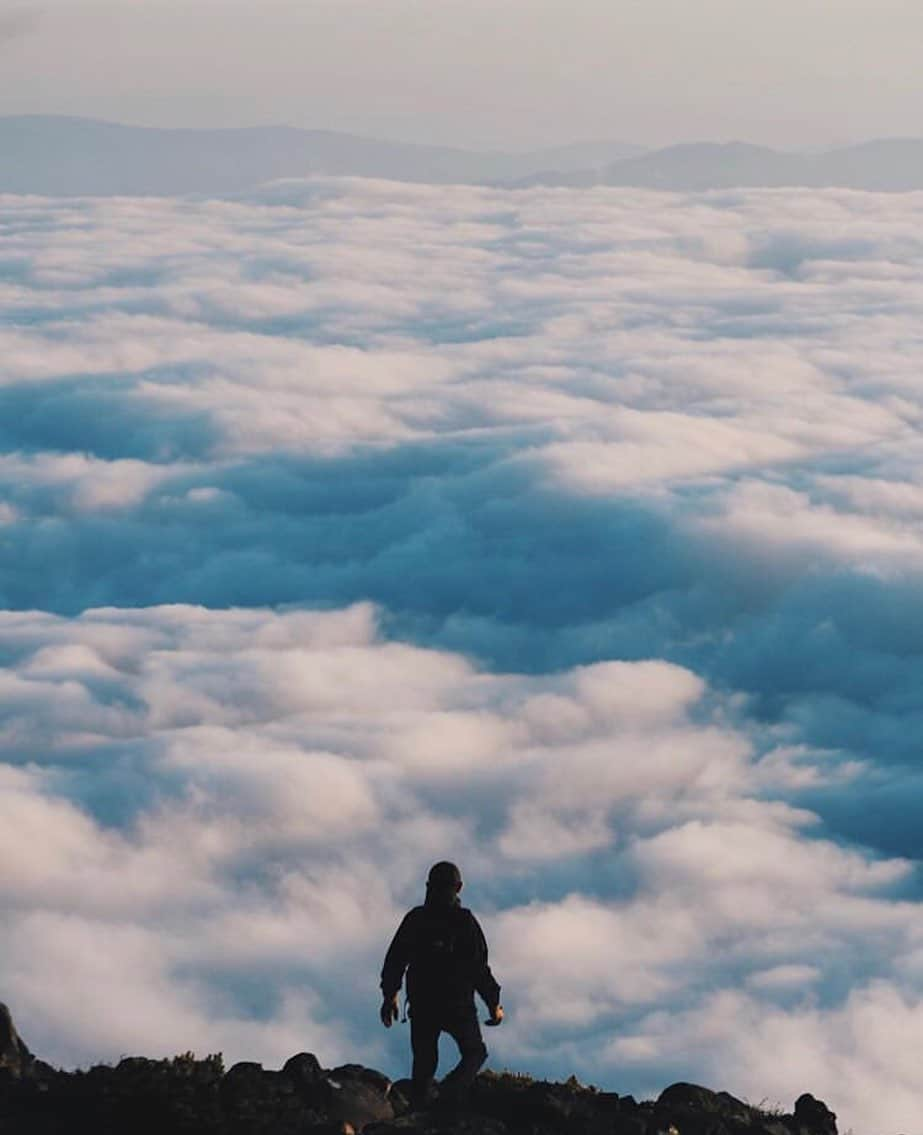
{"x":444,"y":882}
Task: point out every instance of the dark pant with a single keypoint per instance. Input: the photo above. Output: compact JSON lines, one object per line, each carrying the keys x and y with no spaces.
{"x":462,"y":1025}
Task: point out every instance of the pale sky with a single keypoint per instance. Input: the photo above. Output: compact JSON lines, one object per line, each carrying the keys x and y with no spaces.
{"x":511,"y":73}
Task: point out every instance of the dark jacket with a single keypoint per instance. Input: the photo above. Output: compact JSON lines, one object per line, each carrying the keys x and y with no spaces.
{"x":443,"y":950}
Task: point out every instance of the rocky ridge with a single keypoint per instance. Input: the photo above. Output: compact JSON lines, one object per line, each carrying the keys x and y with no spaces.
{"x":186,"y":1095}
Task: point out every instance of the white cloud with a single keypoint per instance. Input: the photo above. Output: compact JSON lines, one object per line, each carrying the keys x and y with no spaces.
{"x":88,"y":484}
{"x":838,"y":1055}
{"x":784,"y":977}
{"x":259,"y":806}
{"x":609,"y":505}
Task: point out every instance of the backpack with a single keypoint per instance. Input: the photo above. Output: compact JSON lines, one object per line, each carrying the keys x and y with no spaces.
{"x":442,"y":961}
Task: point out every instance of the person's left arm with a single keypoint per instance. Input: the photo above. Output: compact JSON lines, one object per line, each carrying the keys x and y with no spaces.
{"x":485,"y":983}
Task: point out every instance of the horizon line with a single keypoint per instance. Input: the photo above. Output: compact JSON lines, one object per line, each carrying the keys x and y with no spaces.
{"x":643,"y":148}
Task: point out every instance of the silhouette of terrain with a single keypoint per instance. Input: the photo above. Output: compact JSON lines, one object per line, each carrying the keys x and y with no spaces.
{"x":57,"y":155}
{"x":886,"y":165}
{"x":184,"y":1095}
{"x":62,"y":156}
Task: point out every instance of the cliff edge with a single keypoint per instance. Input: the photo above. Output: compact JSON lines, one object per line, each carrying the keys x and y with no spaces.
{"x":186,"y":1095}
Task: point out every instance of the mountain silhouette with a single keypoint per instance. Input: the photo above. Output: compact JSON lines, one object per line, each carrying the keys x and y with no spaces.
{"x":186,"y":1096}
{"x":61,"y":156}
{"x":890,"y":165}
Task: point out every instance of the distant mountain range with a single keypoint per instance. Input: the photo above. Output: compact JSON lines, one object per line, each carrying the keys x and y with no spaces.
{"x":76,"y":156}
{"x":887,"y":164}
{"x":62,"y":156}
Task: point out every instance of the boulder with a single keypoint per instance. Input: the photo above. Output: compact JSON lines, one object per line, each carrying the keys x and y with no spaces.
{"x":15,"y":1057}
{"x":357,"y":1096}
{"x":685,"y":1097}
{"x":694,"y":1110}
{"x":304,"y":1070}
{"x":813,"y":1117}
{"x":249,"y":1090}
{"x":400,"y":1094}
{"x":534,"y":1107}
{"x":308,"y":1079}
{"x":243,"y":1075}
{"x":368,"y":1076}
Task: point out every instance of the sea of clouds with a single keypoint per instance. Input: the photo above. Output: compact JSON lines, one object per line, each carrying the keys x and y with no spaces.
{"x":573,"y":535}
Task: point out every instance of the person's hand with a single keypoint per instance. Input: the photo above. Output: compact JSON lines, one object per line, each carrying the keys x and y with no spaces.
{"x":389,"y":1011}
{"x":496,"y":1016}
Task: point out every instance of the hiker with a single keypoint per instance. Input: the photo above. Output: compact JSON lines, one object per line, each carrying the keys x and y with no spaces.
{"x":443,"y":949}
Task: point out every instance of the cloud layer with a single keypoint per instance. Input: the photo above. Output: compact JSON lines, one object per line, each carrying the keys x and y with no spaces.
{"x":575,"y":534}
{"x":211,"y":820}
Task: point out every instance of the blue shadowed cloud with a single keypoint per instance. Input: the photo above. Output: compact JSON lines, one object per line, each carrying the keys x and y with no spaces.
{"x":84,"y":414}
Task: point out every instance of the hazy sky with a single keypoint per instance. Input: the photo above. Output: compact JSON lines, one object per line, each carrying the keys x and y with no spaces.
{"x":472,"y":72}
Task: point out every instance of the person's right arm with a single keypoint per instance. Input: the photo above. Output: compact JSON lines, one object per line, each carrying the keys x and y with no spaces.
{"x":392,"y":972}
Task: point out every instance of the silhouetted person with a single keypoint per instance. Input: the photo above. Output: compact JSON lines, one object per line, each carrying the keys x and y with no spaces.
{"x":443,"y":949}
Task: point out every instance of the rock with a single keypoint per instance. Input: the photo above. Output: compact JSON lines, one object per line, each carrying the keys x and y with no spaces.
{"x":367,"y":1075}
{"x":694,"y":1098}
{"x":358,"y":1096}
{"x":694,"y":1110}
{"x":187,"y":1096}
{"x":400,"y":1095}
{"x":15,"y":1057}
{"x":248,"y":1090}
{"x":244,"y":1069}
{"x":813,"y":1117}
{"x":304,"y":1070}
{"x":308,"y":1079}
{"x":534,"y":1107}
